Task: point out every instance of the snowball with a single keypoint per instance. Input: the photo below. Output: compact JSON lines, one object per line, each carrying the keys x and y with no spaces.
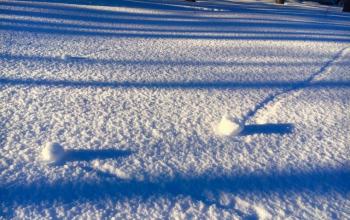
{"x":228,"y":126}
{"x":52,"y":153}
{"x":64,"y":57}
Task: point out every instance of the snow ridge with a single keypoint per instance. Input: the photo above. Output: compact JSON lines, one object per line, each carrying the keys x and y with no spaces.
{"x":325,"y":70}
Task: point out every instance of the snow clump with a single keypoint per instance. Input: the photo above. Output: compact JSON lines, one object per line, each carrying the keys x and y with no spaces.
{"x":64,"y":57}
{"x":52,"y":153}
{"x":228,"y":126}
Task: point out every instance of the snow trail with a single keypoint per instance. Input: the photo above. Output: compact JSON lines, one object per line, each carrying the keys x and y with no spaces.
{"x":324,"y":71}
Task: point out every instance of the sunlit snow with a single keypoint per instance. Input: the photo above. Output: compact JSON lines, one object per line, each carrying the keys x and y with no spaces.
{"x":167,"y":109}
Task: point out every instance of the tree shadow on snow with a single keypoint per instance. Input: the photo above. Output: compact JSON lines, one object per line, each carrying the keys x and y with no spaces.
{"x":257,"y":7}
{"x":122,"y":24}
{"x":172,"y":85}
{"x":86,"y":60}
{"x":319,"y":181}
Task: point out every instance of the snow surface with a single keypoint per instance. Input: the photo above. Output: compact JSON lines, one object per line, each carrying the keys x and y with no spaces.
{"x":132,"y":90}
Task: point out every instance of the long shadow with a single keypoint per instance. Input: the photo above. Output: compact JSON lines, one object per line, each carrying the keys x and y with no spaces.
{"x":261,"y":37}
{"x":87,"y":155}
{"x":136,"y":18}
{"x":319,"y":181}
{"x":227,"y":6}
{"x":171,"y":85}
{"x":281,"y":129}
{"x":211,"y":35}
{"x":3,"y":133}
{"x":90,"y":11}
{"x":145,"y":62}
{"x":157,"y":30}
{"x":125,"y":3}
{"x":93,"y":12}
{"x":234,"y":28}
{"x":149,"y":21}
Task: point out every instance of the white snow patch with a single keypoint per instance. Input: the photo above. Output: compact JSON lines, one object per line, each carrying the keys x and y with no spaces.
{"x":228,"y":126}
{"x":111,"y":170}
{"x":262,"y":213}
{"x":242,"y":205}
{"x":121,"y":174}
{"x":52,"y":152}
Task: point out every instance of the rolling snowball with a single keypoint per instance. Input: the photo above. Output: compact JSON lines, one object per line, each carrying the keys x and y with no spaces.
{"x":64,"y":57}
{"x":52,"y":153}
{"x":228,"y":126}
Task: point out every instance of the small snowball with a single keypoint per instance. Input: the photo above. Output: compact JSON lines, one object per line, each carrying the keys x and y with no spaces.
{"x":228,"y":126}
{"x":52,"y":153}
{"x":64,"y":57}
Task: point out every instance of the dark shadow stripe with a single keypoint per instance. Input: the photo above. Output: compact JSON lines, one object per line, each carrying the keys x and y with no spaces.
{"x":321,"y":182}
{"x":172,"y":85}
{"x":281,"y":129}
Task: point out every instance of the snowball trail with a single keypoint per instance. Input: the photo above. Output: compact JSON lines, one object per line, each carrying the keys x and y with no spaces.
{"x":323,"y":72}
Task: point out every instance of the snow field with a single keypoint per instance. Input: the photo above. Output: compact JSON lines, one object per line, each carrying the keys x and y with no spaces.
{"x":132,"y":94}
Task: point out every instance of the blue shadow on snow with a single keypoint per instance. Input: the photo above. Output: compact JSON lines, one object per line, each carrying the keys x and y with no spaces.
{"x":88,"y":155}
{"x":319,"y":181}
{"x":196,"y":27}
{"x":283,"y":128}
{"x":170,"y":85}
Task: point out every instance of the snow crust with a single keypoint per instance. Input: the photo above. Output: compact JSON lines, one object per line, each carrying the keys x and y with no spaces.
{"x":136,"y":92}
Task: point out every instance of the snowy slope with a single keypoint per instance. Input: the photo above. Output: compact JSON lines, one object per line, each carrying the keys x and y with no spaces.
{"x":134,"y":92}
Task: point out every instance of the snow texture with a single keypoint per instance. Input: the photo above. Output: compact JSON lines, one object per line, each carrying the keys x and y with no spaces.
{"x":164,"y":109}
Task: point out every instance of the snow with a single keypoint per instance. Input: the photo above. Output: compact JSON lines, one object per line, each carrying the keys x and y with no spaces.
{"x":174,"y":110}
{"x":52,"y":153}
{"x":64,"y":57}
{"x":228,"y":126}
